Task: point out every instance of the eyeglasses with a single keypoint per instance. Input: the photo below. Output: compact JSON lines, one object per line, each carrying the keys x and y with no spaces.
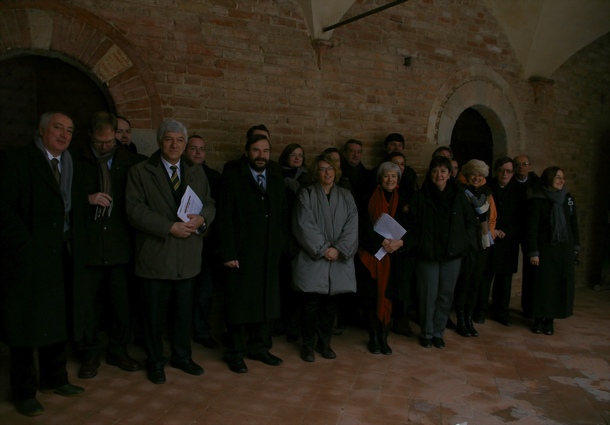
{"x":505,"y":171}
{"x":103,"y":142}
{"x":523,"y":164}
{"x":325,"y":169}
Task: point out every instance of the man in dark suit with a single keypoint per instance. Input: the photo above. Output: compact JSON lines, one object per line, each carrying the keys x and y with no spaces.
{"x":105,"y":166}
{"x":168,"y":250}
{"x":254,"y":230}
{"x":204,"y":282}
{"x":39,"y":230}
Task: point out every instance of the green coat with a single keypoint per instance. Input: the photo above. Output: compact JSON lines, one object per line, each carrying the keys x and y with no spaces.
{"x":152,"y":209}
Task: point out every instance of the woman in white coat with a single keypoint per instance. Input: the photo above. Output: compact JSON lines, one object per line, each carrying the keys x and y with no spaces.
{"x":325,"y":226}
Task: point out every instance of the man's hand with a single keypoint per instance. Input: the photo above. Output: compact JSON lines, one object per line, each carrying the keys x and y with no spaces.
{"x":100,"y":198}
{"x":535,"y":260}
{"x":233,"y":264}
{"x":182,"y":230}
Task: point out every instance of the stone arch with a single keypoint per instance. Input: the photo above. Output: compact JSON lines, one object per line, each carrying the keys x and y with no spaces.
{"x":68,"y":31}
{"x":489,"y":94}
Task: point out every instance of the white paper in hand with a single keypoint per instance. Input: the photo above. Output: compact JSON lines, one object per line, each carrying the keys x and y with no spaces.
{"x":190,"y":204}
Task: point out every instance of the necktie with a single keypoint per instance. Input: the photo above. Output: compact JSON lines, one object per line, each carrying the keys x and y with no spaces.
{"x":55,"y":164}
{"x":175,"y":179}
{"x":261,"y":181}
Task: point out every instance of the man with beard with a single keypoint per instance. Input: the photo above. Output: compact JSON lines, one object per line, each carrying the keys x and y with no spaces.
{"x":105,"y":163}
{"x":253,"y":225}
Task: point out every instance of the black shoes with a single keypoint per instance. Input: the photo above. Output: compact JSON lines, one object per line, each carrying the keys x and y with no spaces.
{"x":503,"y":321}
{"x":188,"y":366}
{"x":326,"y":352}
{"x":29,"y":407}
{"x":156,"y":376}
{"x":89,"y":368}
{"x":373,"y":345}
{"x":425,"y":342}
{"x":207,"y":342}
{"x":66,"y":390}
{"x":237,"y":365}
{"x":124,"y":362}
{"x":537,"y":326}
{"x":307,"y":354}
{"x":547,"y":327}
{"x":267,"y":358}
{"x":438,"y":342}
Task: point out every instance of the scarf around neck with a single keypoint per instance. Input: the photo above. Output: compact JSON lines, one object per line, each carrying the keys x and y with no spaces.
{"x":65,"y":182}
{"x":380,"y":269}
{"x":559,"y":226}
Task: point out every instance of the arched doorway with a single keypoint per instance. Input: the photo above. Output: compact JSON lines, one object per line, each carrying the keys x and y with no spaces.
{"x":31,"y":85}
{"x":472,"y":138}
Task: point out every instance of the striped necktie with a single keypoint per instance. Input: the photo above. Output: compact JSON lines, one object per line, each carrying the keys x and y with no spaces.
{"x":261,"y":181}
{"x":175,"y":179}
{"x":55,"y":164}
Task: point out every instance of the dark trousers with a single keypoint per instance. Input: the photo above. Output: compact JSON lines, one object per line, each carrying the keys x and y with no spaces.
{"x":52,"y":360}
{"x":248,"y":338}
{"x":319,"y":312}
{"x":500,"y":294}
{"x":161,"y":296}
{"x":107,"y":289}
{"x":470,"y":288}
{"x":204,"y":289}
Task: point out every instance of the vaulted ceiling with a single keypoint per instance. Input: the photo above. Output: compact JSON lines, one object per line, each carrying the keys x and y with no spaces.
{"x":543,"y":33}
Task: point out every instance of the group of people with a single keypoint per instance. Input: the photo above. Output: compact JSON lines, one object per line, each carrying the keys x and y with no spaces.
{"x":94,"y":241}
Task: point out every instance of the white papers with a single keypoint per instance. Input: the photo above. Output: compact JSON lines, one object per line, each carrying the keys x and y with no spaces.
{"x":389,"y":228}
{"x":190,"y":204}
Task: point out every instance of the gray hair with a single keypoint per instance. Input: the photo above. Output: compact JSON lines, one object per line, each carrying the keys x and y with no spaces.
{"x":475,"y":166}
{"x":46,"y":117}
{"x":171,"y":126}
{"x":385,"y":167}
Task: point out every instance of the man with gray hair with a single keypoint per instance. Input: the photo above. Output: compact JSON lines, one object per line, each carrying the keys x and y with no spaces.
{"x":168,"y":250}
{"x":41,"y":242}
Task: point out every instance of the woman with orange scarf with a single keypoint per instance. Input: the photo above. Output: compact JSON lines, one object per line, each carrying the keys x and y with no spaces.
{"x":390,"y":274}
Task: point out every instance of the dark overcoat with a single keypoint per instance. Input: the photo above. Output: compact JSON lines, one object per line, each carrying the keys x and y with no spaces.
{"x":510,"y":208}
{"x":402,"y":262}
{"x":33,"y":287}
{"x":552,"y":291}
{"x":254,"y":228}
{"x":111,"y":239}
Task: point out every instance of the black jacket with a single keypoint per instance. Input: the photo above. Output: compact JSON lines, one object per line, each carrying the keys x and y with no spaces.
{"x":446,"y":222}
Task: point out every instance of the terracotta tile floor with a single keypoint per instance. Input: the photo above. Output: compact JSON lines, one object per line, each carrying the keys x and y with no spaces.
{"x":507,"y":375}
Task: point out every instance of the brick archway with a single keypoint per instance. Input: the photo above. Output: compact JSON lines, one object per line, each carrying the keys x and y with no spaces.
{"x":489,"y":94}
{"x":28,"y":26}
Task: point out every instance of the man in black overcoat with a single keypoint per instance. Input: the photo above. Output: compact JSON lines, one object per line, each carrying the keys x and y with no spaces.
{"x":254,"y":229}
{"x":105,"y":164}
{"x":40,"y":227}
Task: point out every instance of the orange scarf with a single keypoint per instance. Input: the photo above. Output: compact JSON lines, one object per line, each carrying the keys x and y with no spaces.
{"x":380,"y":269}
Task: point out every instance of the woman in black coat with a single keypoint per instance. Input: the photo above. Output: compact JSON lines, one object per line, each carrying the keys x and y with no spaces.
{"x":552,"y":247}
{"x":504,"y":255}
{"x":388,"y":278}
{"x":446,"y":225}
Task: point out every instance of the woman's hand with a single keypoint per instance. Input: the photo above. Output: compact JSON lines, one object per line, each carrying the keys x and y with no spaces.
{"x":332,"y":254}
{"x":392,"y":245}
{"x":535,"y":260}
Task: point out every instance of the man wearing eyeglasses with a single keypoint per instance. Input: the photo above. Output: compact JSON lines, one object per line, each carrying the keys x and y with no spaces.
{"x":523,"y":174}
{"x":105,"y":165}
